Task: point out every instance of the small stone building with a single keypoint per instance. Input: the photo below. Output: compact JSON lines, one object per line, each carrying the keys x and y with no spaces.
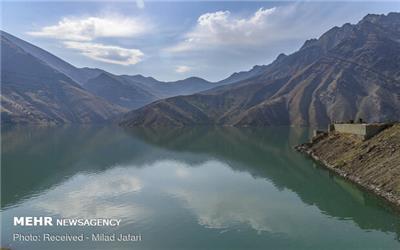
{"x":364,"y":130}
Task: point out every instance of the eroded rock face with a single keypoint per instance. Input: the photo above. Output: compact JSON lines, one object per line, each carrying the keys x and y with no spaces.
{"x":350,"y":72}
{"x":373,"y":163}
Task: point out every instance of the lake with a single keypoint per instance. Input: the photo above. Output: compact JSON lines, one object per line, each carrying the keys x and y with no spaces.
{"x":193,"y":188}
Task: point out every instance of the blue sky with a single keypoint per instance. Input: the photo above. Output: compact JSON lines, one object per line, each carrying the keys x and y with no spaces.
{"x":174,"y":40}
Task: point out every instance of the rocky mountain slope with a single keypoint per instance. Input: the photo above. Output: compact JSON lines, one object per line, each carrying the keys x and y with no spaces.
{"x":350,"y":72}
{"x":374,"y":163}
{"x":34,"y":92}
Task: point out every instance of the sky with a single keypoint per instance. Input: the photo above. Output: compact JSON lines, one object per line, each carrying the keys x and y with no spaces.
{"x":172,"y":40}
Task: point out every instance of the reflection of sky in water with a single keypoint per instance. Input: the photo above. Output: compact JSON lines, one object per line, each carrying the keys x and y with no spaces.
{"x":201,"y":188}
{"x":91,"y":196}
{"x":216,"y":196}
{"x":186,"y":189}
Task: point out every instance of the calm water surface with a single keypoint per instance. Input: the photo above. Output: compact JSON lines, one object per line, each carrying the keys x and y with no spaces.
{"x":203,"y":188}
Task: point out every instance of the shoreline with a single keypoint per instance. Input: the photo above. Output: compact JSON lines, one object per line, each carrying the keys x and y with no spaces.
{"x":390,"y":198}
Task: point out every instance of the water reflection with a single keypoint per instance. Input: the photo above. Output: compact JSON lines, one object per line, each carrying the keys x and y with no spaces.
{"x":36,"y":158}
{"x":92,"y":196}
{"x":269,"y":153}
{"x":246,"y":184}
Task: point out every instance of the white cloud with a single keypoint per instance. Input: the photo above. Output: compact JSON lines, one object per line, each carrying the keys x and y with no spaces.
{"x":107,"y":53}
{"x":140,"y":4}
{"x":222,"y":28}
{"x":183,"y":69}
{"x":90,"y":28}
{"x":81,"y":34}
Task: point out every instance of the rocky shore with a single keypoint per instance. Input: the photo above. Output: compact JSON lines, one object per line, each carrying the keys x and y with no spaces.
{"x":373,"y":164}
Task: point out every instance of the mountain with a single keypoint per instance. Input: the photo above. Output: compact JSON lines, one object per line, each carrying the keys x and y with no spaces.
{"x":137,"y":91}
{"x":349,"y":72}
{"x":120,"y":91}
{"x":79,"y":75}
{"x":34,"y":92}
{"x":30,"y":68}
{"x":181,"y":87}
{"x":244,"y":75}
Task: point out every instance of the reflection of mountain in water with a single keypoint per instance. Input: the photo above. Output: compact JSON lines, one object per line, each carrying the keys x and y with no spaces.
{"x":268,"y":153}
{"x":38,"y":159}
{"x":42,"y":157}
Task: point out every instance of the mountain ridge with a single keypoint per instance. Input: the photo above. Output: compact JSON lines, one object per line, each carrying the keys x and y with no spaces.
{"x":119,"y":91}
{"x":32,"y":92}
{"x":76,"y":74}
{"x":133,"y":91}
{"x":349,"y":72}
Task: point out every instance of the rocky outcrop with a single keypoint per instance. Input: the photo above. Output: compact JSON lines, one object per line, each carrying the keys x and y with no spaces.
{"x":373,"y":164}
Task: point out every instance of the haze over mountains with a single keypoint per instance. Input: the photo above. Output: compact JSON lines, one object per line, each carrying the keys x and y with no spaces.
{"x":40,"y":88}
{"x":350,"y":72}
{"x":136,"y":91}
